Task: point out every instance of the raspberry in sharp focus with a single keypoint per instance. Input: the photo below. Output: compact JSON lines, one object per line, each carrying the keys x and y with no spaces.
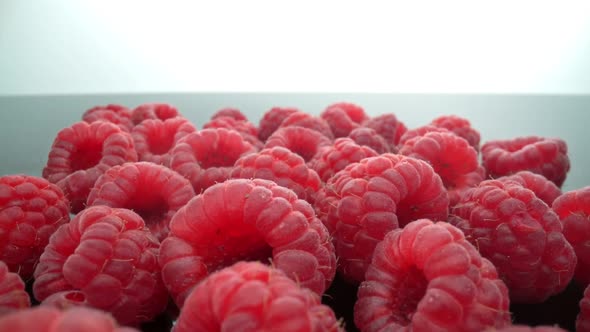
{"x":583,"y":319}
{"x":154,"y":139}
{"x":545,"y":156}
{"x":208,"y":156}
{"x":250,"y":296}
{"x":31,"y":209}
{"x":369,"y":137}
{"x":573,"y":208}
{"x":543,"y":188}
{"x":282,"y":166}
{"x":272,"y":119}
{"x":343,"y":118}
{"x":331,"y":159}
{"x":116,"y":114}
{"x":303,"y":141}
{"x":388,"y":126}
{"x":428,"y":277}
{"x":80,"y":154}
{"x":12,"y":291}
{"x":460,"y":127}
{"x":363,"y":202}
{"x":242,"y":219}
{"x":520,"y":235}
{"x":153,"y":111}
{"x":450,"y":155}
{"x":107,"y":259}
{"x":306,"y":120}
{"x":47,"y":319}
{"x":231,"y":112}
{"x":152,"y":191}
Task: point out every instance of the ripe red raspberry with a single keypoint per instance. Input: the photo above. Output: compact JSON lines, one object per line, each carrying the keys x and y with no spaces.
{"x":272,"y":119}
{"x":282,"y":166}
{"x":208,"y":156}
{"x":12,"y":291}
{"x":573,"y":209}
{"x":464,"y":182}
{"x":450,"y":155}
{"x":334,"y":158}
{"x":154,"y":139}
{"x":152,"y":191}
{"x":363,"y":202}
{"x":369,"y":137}
{"x":545,"y":156}
{"x":46,"y":319}
{"x":428,"y":277}
{"x":305,"y":120}
{"x":303,"y":141}
{"x":583,"y":319}
{"x":80,"y":154}
{"x":107,"y":259}
{"x":244,"y":219}
{"x":153,"y":111}
{"x":31,"y":209}
{"x":420,"y":131}
{"x":388,"y":126}
{"x":524,"y":328}
{"x":520,"y":234}
{"x":543,"y":188}
{"x":248,"y":131}
{"x":231,"y":112}
{"x":116,"y":114}
{"x":460,"y":127}
{"x":250,"y":296}
{"x":343,"y":118}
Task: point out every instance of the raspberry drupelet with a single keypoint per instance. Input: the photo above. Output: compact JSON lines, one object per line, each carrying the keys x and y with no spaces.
{"x":368,"y":137}
{"x":343,"y":118}
{"x":154,"y":139}
{"x":460,"y":127}
{"x":272,"y":119}
{"x":388,"y":126}
{"x":231,"y":112}
{"x":13,"y":296}
{"x":303,"y":141}
{"x":332,"y":159}
{"x":306,"y":120}
{"x":116,"y":114}
{"x":160,"y":111}
{"x":540,"y":185}
{"x":248,"y":130}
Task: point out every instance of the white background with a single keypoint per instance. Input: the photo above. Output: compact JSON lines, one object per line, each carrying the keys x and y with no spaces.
{"x":108,"y":46}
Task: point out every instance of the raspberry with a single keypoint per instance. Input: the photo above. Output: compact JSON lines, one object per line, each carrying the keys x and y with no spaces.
{"x":420,"y":131}
{"x":524,"y":328}
{"x":242,"y":219}
{"x":334,"y":158}
{"x":543,"y":188}
{"x":282,"y":166}
{"x":363,"y":202}
{"x":464,"y":182}
{"x":104,"y":258}
{"x":583,"y":319}
{"x":428,"y":277}
{"x":343,"y":118}
{"x":573,"y":208}
{"x":450,"y":155}
{"x":545,"y":156}
{"x":303,"y":141}
{"x":520,"y":234}
{"x":31,"y":209}
{"x":80,"y":154}
{"x":388,"y":126}
{"x":243,"y":127}
{"x":208,"y":156}
{"x":305,"y":120}
{"x":152,"y":191}
{"x":460,"y":127}
{"x":369,"y":137}
{"x":230,"y":112}
{"x":12,"y":291}
{"x":250,"y":296}
{"x":46,"y":319}
{"x":116,"y":114}
{"x":153,"y":111}
{"x":272,"y":119}
{"x":154,"y":139}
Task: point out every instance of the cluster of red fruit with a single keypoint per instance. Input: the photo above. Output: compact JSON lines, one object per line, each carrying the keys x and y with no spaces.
{"x":246,"y":227}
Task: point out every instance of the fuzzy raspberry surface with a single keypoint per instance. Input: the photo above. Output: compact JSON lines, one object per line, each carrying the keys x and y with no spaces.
{"x":31,"y":209}
{"x":344,"y":117}
{"x":459,"y":126}
{"x":230,"y":112}
{"x":540,"y":185}
{"x":272,"y":119}
{"x":428,"y":277}
{"x":369,"y":137}
{"x":13,"y":296}
{"x":303,"y":141}
{"x":306,"y":120}
{"x":388,"y":126}
{"x":113,"y":113}
{"x":250,"y":296}
{"x":153,"y":191}
{"x":160,"y":111}
{"x":81,"y":153}
{"x":420,"y":131}
{"x":107,"y":259}
{"x":583,"y":319}
{"x":242,"y":219}
{"x":334,"y":158}
{"x":154,"y":139}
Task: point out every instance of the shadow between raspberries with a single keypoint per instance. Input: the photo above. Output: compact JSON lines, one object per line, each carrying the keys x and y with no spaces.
{"x":341,"y":297}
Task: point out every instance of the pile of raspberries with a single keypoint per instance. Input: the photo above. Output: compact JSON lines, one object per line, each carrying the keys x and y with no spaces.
{"x":336,"y":222}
